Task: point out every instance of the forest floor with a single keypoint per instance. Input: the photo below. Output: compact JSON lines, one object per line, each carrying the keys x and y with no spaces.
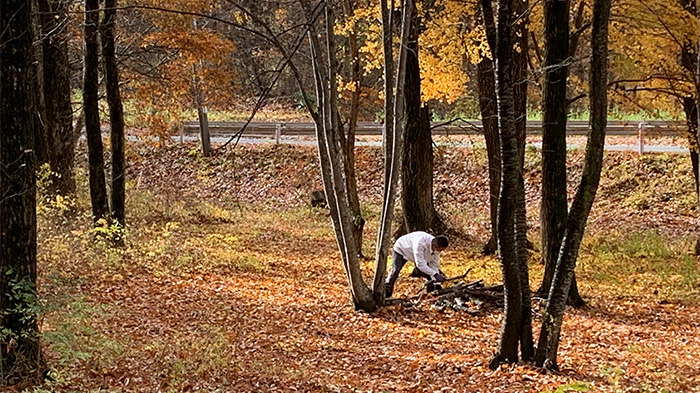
{"x":230,"y":282}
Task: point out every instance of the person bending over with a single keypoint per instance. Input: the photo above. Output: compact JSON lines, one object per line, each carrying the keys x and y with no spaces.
{"x":424,"y":250}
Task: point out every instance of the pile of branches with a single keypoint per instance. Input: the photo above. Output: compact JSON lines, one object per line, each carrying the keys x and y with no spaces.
{"x":471,"y":297}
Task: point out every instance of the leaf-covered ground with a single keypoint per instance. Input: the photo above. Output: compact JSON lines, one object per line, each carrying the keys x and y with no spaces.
{"x":230,"y":282}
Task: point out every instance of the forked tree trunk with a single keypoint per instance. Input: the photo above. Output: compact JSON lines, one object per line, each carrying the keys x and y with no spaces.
{"x":116,"y":113}
{"x":510,"y":238}
{"x":488,"y":105}
{"x":419,"y":212}
{"x":394,"y":126}
{"x":553,"y":207}
{"x":19,"y":346}
{"x":98,"y":186}
{"x":548,"y":344}
{"x":58,"y":138}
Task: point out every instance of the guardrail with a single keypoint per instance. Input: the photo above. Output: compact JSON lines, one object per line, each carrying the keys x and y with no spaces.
{"x":574,"y":127}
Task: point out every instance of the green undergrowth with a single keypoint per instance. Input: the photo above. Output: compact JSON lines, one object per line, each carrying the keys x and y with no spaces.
{"x":639,"y":263}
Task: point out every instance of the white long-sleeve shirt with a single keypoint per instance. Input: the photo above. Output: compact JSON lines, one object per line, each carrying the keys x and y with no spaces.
{"x":417,"y":247}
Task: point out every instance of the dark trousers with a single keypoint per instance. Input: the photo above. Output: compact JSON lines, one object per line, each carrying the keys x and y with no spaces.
{"x":396,"y":266}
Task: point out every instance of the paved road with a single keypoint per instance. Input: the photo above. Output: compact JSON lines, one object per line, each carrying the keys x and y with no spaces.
{"x":294,"y":141}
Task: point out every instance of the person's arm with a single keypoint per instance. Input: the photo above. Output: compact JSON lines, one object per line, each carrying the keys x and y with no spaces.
{"x":421,"y":264}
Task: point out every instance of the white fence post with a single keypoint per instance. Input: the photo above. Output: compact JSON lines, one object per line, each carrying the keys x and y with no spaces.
{"x":641,"y":129}
{"x":278,"y":133}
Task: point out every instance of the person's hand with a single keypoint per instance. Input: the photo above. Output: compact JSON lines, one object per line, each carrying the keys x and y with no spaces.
{"x":438,"y":277}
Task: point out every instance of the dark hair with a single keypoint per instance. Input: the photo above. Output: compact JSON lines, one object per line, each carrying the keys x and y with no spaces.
{"x":442,"y":241}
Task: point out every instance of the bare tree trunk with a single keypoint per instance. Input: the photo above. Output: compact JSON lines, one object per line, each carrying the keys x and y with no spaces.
{"x":98,"y":187}
{"x":394,"y":126}
{"x":116,"y":113}
{"x":520,"y":53}
{"x":553,"y":207}
{"x":691,"y":118}
{"x":358,"y":221}
{"x":488,"y":105}
{"x":553,"y":316}
{"x":20,"y":352}
{"x":58,"y":139}
{"x":511,"y":327}
{"x":417,"y":170}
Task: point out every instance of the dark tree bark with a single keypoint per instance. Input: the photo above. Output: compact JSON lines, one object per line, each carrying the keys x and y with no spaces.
{"x":19,"y":342}
{"x":553,"y":315}
{"x":520,"y":53}
{"x":553,"y":207}
{"x":488,"y":106}
{"x":58,"y":139}
{"x":417,"y":170}
{"x":513,"y":331}
{"x":355,"y":66}
{"x":116,"y":113}
{"x":98,"y":187}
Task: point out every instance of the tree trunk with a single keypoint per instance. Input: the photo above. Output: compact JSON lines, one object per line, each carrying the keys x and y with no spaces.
{"x":488,"y":105}
{"x":691,"y":119}
{"x":510,"y":238}
{"x":355,"y":66}
{"x":19,"y":344}
{"x":553,"y":315}
{"x":58,"y":139}
{"x":417,"y":170}
{"x":553,"y":207}
{"x":520,"y":53}
{"x":394,"y":126}
{"x":98,"y":187}
{"x":116,"y":113}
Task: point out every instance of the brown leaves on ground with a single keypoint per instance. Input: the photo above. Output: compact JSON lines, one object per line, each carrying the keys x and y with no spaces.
{"x":230,"y":283}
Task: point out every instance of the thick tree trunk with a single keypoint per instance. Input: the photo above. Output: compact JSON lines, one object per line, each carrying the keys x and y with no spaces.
{"x":553,"y":208}
{"x":510,"y":239}
{"x":553,"y":316}
{"x":488,"y":106}
{"x":19,"y":344}
{"x":417,"y":170}
{"x":98,"y":187}
{"x":58,"y":140}
{"x":691,"y":119}
{"x":116,"y":113}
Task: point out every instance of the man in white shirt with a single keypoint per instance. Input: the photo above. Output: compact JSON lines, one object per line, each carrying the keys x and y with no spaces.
{"x":424,"y":250}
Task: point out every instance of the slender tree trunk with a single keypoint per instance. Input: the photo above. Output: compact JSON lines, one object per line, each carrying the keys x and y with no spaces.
{"x":417,"y":170}
{"x":691,"y":119}
{"x":116,"y":113}
{"x":553,"y":316}
{"x":488,"y":106}
{"x":508,"y":238}
{"x":520,"y":53}
{"x":98,"y":187}
{"x":394,"y":126}
{"x":350,"y":176}
{"x":59,"y":139}
{"x":20,"y":352}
